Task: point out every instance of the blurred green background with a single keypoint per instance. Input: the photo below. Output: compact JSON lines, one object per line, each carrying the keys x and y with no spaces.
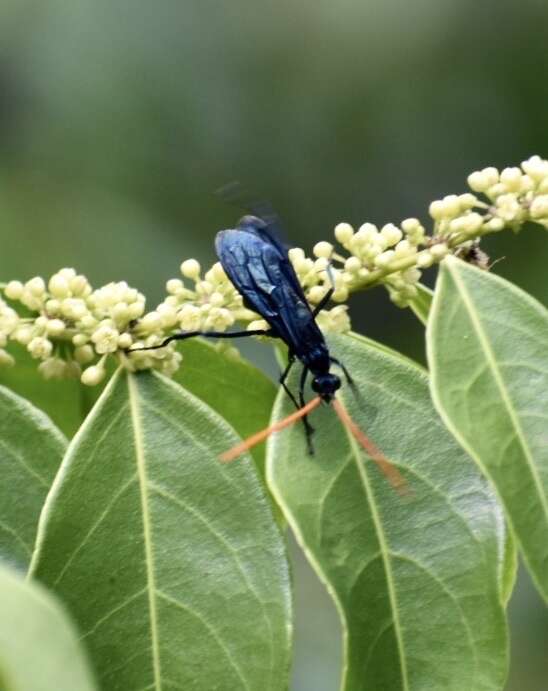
{"x":118,"y":120}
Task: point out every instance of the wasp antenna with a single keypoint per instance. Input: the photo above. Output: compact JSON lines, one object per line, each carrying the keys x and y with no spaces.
{"x":258,"y":437}
{"x":388,"y":469}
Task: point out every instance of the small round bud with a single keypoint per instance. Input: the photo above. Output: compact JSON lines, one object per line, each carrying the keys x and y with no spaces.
{"x":439,"y":251}
{"x":191,"y":268}
{"x":124,"y":341}
{"x":55,"y":327}
{"x":216,"y":299}
{"x":437,"y":210}
{"x":258,"y":325}
{"x":451,"y":205}
{"x":384,"y":258}
{"x":352,"y":264}
{"x":84,"y":354}
{"x":6,"y":360}
{"x":52,"y":368}
{"x":323,"y":249}
{"x":391,"y":234}
{"x":511,"y":179}
{"x":79,"y":286}
{"x":174,"y":286}
{"x":425,"y":259}
{"x":315,"y":294}
{"x":36,"y":286}
{"x":14,"y":290}
{"x":539,"y":207}
{"x":58,"y":287}
{"x":93,"y":375}
{"x":344,"y":232}
{"x":40,"y":348}
{"x":80,"y":339}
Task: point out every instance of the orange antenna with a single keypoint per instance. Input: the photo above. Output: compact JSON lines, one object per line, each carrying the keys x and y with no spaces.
{"x":258,"y":437}
{"x":389,"y":470}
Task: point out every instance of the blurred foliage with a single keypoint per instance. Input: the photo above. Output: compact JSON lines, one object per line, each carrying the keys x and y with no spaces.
{"x":119,"y":120}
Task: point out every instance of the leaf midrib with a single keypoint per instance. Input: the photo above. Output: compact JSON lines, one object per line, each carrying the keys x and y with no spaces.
{"x":385,"y":555}
{"x":147,"y":531}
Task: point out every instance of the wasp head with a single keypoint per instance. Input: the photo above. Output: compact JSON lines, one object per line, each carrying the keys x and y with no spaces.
{"x":325,"y":385}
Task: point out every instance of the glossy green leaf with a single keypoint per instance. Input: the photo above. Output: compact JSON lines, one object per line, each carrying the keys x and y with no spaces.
{"x":488,"y":352}
{"x":31,"y":450}
{"x":65,"y":401}
{"x":422,"y":302}
{"x":416,"y":579}
{"x":233,"y":387}
{"x":39,"y":648}
{"x":169,"y":560}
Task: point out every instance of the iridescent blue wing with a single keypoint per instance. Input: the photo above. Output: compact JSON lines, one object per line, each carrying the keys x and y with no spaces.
{"x":263,"y":275}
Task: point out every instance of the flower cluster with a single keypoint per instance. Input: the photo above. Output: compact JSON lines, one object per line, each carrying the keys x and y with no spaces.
{"x":395,"y":255}
{"x":72,"y":329}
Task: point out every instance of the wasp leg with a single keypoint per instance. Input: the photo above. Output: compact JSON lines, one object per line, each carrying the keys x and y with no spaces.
{"x":206,"y":334}
{"x":309,"y":430}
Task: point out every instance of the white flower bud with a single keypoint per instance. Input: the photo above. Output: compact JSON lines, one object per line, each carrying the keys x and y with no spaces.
{"x":168,"y":314}
{"x":258,"y":325}
{"x":367,"y":233}
{"x":52,"y":368}
{"x":391,"y":234}
{"x":495,"y":224}
{"x":467,"y":201}
{"x":509,"y":208}
{"x":478,"y":181}
{"x":135,"y":310}
{"x":174,"y":286}
{"x":58,"y":286}
{"x":125,"y":341}
{"x":511,"y":179}
{"x":322,"y":249}
{"x":79,"y":286}
{"x":74,"y":308}
{"x":315,"y":294}
{"x":352,"y":264}
{"x":341,"y":294}
{"x":217,"y":299}
{"x":84,"y":354}
{"x":536,"y":168}
{"x":439,"y":250}
{"x":23,"y":334}
{"x":384,"y":258}
{"x":437,"y":210}
{"x":191,"y":268}
{"x":40,"y":348}
{"x":14,"y":290}
{"x":539,"y":207}
{"x":55,"y":327}
{"x":6,"y":360}
{"x":404,"y":249}
{"x":424,"y":259}
{"x":80,"y":339}
{"x":344,"y":232}
{"x":451,"y":205}
{"x":93,"y":375}
{"x":36,"y":286}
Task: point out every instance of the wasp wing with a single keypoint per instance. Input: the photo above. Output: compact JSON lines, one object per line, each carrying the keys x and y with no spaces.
{"x":264,"y":277}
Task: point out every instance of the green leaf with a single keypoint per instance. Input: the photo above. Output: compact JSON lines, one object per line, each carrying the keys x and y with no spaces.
{"x":65,"y":401}
{"x":488,"y":352}
{"x":233,"y":387}
{"x":170,"y":561}
{"x":422,"y":303}
{"x":39,"y":648}
{"x":31,"y":450}
{"x":416,"y":579}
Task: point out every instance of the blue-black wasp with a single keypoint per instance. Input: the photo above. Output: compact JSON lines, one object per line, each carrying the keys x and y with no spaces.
{"x":258,"y":265}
